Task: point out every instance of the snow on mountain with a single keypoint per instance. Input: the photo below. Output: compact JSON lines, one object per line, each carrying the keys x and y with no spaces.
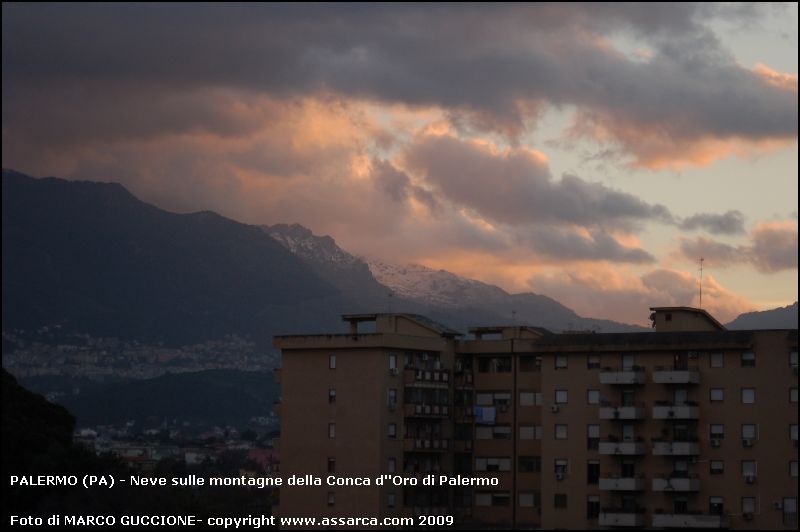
{"x":436,"y":287}
{"x":303,"y":243}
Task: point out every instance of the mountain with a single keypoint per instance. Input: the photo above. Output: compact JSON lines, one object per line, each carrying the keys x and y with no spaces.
{"x":210,"y":397}
{"x":446,"y":290}
{"x":93,"y":258}
{"x":457,"y":301}
{"x":778,"y":318}
{"x":349,"y":274}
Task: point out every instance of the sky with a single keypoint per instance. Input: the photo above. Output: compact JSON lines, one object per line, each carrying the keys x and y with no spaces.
{"x":589,"y":152}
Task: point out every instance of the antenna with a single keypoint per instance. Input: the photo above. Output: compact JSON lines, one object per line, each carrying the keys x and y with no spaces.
{"x":514,"y":317}
{"x":390,"y":295}
{"x":701,"y":282}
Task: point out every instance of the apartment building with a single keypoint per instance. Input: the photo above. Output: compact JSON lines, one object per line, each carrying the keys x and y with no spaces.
{"x":687,"y":426}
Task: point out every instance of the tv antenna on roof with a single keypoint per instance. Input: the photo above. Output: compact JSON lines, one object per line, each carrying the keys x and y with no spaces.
{"x":514,"y":318}
{"x":701,"y":282}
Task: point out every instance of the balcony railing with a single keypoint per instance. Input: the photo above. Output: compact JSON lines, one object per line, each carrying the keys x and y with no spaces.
{"x":632,"y":375}
{"x":676,"y":484}
{"x":623,"y":448}
{"x":618,"y":517}
{"x":426,"y":444}
{"x":676,"y":375}
{"x":615,"y":483}
{"x":423,"y":410}
{"x":689,"y":520}
{"x":675,"y":448}
{"x":622,"y":413}
{"x":667,"y":410}
{"x":438,"y":377}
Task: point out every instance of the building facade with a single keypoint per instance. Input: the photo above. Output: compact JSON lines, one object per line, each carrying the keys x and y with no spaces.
{"x":689,"y":426}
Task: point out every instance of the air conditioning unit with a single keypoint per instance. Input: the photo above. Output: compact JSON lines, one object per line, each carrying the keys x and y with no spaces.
{"x":559,"y":476}
{"x":749,"y":479}
{"x":747,"y":516}
{"x":747,"y":442}
{"x":554,"y":409}
{"x":715,"y":442}
{"x":778,"y":505}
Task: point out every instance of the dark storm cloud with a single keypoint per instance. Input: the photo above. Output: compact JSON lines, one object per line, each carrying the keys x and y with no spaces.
{"x":730,"y":223}
{"x":485,"y":58}
{"x":563,"y":244}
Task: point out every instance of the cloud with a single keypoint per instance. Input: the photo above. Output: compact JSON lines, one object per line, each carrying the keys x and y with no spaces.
{"x":772,"y":248}
{"x":602,"y":290}
{"x":498,"y":66}
{"x":730,"y":223}
{"x":515,"y":187}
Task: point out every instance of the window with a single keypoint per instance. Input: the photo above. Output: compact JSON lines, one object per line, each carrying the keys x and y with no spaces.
{"x":715,"y":505}
{"x":331,"y":430}
{"x":592,"y":472}
{"x":332,"y":361}
{"x":793,"y":395}
{"x":593,"y":437}
{"x":526,"y":499}
{"x":748,"y":359}
{"x":749,"y":468}
{"x":527,"y":398}
{"x":717,"y":360}
{"x":628,"y":362}
{"x":494,"y":365}
{"x":331,"y":464}
{"x":560,"y":432}
{"x":748,"y":505}
{"x":331,"y":395}
{"x":392,"y":430}
{"x":391,"y":398}
{"x":717,"y":467}
{"x":390,"y":500}
{"x":748,"y":396}
{"x":391,"y":465}
{"x":593,"y":362}
{"x":561,"y":397}
{"x":530,"y":464}
{"x":497,"y":432}
{"x":793,"y":359}
{"x":793,"y":432}
{"x":560,"y":500}
{"x":530,"y":432}
{"x":793,"y":468}
{"x":561,"y":466}
{"x":749,"y":432}
{"x":331,"y":498}
{"x":392,"y":362}
{"x":592,"y":507}
{"x":561,"y":361}
{"x":498,"y":498}
{"x":593,"y":397}
{"x":790,"y":511}
{"x":717,"y":395}
{"x":492,"y":464}
{"x":530,"y":363}
{"x":717,"y":431}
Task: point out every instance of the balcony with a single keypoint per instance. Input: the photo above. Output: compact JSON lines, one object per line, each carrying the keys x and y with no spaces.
{"x":426,"y":444}
{"x":672,"y":375}
{"x":675,"y":448}
{"x":421,"y":410}
{"x":690,"y":520}
{"x":622,"y":413}
{"x":612,"y":483}
{"x":666,"y":410}
{"x":676,"y":484}
{"x":435,"y":378}
{"x":618,"y":518}
{"x":625,"y":376}
{"x":621,"y":448}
